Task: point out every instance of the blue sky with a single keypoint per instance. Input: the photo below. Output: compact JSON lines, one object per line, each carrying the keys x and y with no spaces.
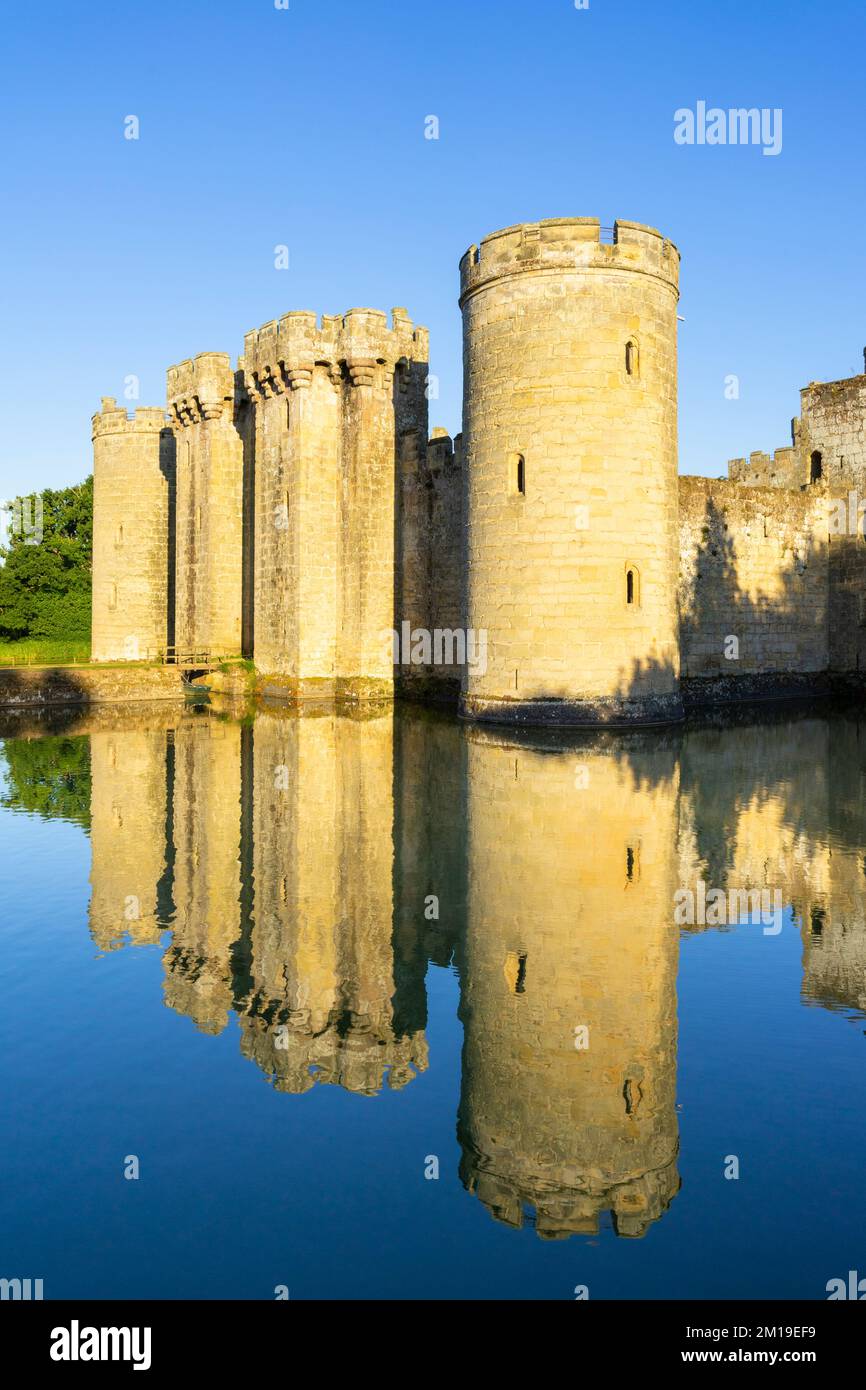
{"x":305,"y":127}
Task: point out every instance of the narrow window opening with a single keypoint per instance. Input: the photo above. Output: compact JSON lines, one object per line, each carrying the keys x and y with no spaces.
{"x":515,"y":971}
{"x":816,"y":467}
{"x":632,"y":863}
{"x":631,"y":358}
{"x":632,"y":587}
{"x":520,"y":982}
{"x":516,"y":475}
{"x":120,"y":534}
{"x":632,"y":1095}
{"x":817,"y":923}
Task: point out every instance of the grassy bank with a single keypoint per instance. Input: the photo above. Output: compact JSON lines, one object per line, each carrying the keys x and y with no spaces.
{"x":43,"y":651}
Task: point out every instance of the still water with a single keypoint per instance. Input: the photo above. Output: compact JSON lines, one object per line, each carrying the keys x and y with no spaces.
{"x":395,"y":1007}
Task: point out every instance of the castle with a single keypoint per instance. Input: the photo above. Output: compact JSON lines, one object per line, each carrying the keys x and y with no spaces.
{"x":295,"y":510}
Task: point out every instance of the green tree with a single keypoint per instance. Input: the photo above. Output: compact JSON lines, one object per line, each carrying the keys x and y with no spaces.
{"x":45,"y":587}
{"x":49,"y":777}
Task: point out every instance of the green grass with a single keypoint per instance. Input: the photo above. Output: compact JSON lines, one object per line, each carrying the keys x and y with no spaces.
{"x":44,"y":651}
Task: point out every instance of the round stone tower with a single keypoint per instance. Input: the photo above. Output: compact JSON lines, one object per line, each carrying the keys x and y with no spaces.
{"x":570,"y":438}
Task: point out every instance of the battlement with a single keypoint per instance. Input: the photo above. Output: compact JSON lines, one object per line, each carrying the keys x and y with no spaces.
{"x":781,"y":469}
{"x":285,"y":351}
{"x":200,"y":388}
{"x":824,"y":394}
{"x":443,"y":452}
{"x":568,"y":243}
{"x":112,"y":418}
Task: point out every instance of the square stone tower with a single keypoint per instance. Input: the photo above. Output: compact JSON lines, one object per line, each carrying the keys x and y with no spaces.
{"x":210,"y":505}
{"x":336,"y":410}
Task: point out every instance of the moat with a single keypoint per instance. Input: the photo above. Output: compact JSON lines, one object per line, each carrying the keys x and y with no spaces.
{"x":389,"y":1005}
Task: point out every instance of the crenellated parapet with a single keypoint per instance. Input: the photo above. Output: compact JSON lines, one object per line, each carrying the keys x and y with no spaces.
{"x":560,"y":244}
{"x":781,"y":469}
{"x":112,"y":418}
{"x":202,"y":388}
{"x":357,"y":347}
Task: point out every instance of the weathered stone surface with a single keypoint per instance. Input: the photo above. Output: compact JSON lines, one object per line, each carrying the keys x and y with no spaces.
{"x":753,"y":568}
{"x":339,"y":413}
{"x":133,"y":541}
{"x":570,"y":381}
{"x":210,"y":505}
{"x":59,"y":685}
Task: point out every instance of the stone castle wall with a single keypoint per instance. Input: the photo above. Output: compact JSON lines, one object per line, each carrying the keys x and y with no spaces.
{"x":753,"y":567}
{"x":821,"y":482}
{"x":430,"y":563}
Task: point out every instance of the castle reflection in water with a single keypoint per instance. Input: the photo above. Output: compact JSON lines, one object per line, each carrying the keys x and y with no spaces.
{"x":305,"y":869}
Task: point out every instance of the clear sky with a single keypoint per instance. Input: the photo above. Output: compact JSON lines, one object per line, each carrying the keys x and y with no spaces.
{"x":305,"y":127}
